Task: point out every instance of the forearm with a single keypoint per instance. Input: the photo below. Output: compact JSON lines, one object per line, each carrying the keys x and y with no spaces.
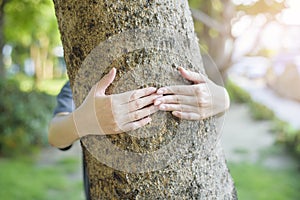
{"x":62,"y":131}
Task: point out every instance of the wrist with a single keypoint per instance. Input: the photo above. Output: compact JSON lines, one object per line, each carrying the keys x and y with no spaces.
{"x":74,"y":123}
{"x":62,"y":131}
{"x":227,"y":100}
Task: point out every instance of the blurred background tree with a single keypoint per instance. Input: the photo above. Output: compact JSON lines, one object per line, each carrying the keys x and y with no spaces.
{"x":247,"y":37}
{"x":30,"y":34}
{"x":28,"y":37}
{"x":214,"y":22}
{"x":229,"y":31}
{"x":2,"y":69}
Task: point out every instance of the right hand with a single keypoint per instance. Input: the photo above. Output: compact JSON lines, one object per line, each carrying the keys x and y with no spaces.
{"x":102,"y":114}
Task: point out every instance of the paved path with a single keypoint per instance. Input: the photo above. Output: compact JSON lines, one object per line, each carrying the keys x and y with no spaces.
{"x":285,"y":109}
{"x":243,"y":140}
{"x":246,"y":140}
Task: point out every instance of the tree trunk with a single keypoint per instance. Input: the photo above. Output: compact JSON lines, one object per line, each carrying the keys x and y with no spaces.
{"x":146,"y":41}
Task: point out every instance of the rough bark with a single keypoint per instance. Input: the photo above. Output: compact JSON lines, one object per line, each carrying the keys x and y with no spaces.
{"x":196,"y":168}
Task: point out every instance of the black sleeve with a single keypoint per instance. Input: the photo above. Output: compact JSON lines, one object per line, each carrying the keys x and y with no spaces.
{"x":65,"y":103}
{"x":65,"y":100}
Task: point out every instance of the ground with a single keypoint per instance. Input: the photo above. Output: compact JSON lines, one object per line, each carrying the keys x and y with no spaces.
{"x":247,"y":144}
{"x":246,"y":140}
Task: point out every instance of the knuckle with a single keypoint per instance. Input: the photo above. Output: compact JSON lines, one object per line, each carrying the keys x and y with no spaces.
{"x":189,"y":117}
{"x":198,"y":91}
{"x":199,"y":102}
{"x":134,"y":126}
{"x":115,"y":128}
{"x":133,"y":95}
{"x":181,"y":108}
{"x":176,"y":97}
{"x":136,"y":116}
{"x":136,"y":105}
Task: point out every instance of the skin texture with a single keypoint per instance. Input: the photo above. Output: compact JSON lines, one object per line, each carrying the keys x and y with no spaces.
{"x":199,"y":101}
{"x":102,"y":114}
{"x":198,"y":170}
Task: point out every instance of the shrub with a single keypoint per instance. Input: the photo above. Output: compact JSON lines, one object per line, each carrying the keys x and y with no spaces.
{"x":284,"y":132}
{"x":260,"y":111}
{"x":24,"y":118}
{"x":236,"y":93}
{"x":288,"y":135}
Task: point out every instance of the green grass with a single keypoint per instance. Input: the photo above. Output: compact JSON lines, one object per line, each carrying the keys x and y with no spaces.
{"x":259,"y":183}
{"x":22,"y":179}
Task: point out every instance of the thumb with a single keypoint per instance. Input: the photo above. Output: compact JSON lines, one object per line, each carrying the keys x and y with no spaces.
{"x":103,"y":84}
{"x":192,"y":76}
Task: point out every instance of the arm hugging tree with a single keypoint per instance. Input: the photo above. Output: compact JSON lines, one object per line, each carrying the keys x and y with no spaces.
{"x":146,"y":41}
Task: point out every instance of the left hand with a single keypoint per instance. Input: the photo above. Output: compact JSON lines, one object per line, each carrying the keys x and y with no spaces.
{"x":193,"y":102}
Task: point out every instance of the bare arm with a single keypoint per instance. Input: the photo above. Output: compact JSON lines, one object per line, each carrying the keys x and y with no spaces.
{"x":102,"y":114}
{"x":62,"y":130}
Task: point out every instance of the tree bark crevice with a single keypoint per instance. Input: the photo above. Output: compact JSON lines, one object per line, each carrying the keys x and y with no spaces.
{"x":198,"y":169}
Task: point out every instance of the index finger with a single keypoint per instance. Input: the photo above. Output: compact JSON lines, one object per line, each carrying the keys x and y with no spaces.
{"x":177,"y":89}
{"x":129,"y":96}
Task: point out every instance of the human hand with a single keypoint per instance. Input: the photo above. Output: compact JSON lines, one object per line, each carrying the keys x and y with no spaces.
{"x":193,"y":102}
{"x":102,"y":114}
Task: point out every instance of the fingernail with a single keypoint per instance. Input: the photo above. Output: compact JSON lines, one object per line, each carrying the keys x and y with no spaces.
{"x":153,"y":88}
{"x":162,"y":107}
{"x":110,"y":72}
{"x":160,"y":91}
{"x":156,"y":103}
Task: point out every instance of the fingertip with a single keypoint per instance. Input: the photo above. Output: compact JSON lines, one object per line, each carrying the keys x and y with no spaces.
{"x":184,"y":72}
{"x":156,"y":102}
{"x":176,"y":113}
{"x":162,"y":107}
{"x":147,"y":120}
{"x":181,"y":69}
{"x":154,"y":89}
{"x":149,"y":90}
{"x":113,"y":71}
{"x":160,"y":91}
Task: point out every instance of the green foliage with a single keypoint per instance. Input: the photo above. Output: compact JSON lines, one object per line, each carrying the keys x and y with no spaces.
{"x":27,"y":23}
{"x":27,"y":20}
{"x":24,"y":118}
{"x":22,"y":179}
{"x":285,"y":133}
{"x":49,"y":86}
{"x":259,"y":183}
{"x":260,"y":112}
{"x":237,"y":94}
{"x":263,"y":6}
{"x":288,"y":135}
{"x":195,"y":3}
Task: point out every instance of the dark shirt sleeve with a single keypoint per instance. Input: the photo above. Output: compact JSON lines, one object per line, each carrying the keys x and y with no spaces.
{"x":64,"y":100}
{"x":65,"y":103}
